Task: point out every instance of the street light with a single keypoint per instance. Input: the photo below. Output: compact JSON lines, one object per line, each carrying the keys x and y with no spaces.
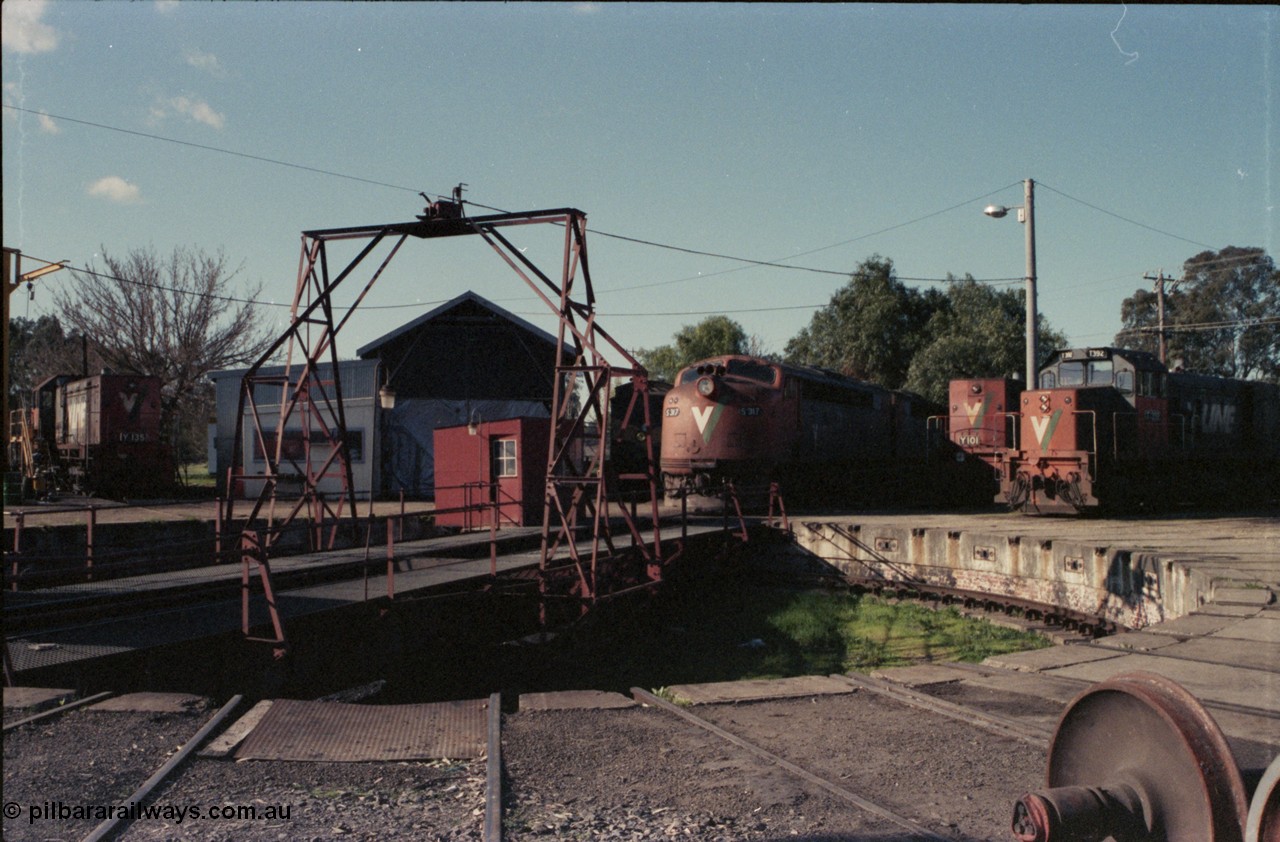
{"x":1026,"y":215}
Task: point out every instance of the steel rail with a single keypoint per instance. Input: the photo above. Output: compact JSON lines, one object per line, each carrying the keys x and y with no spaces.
{"x":918,"y":830}
{"x":59,"y":710}
{"x":993,"y":723}
{"x":493,"y":773}
{"x":108,"y":827}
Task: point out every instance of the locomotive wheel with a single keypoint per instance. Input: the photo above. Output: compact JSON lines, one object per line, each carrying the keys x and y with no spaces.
{"x":1263,"y":823}
{"x":1136,"y":757}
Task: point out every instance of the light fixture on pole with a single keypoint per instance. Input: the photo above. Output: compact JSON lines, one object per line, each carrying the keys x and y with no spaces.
{"x":1026,"y":215}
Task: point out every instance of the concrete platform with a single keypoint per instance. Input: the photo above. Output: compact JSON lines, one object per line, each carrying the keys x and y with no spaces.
{"x":226,"y":742}
{"x":574,"y":700}
{"x":36,"y":699}
{"x":1261,"y":629}
{"x":758,"y":689}
{"x":152,"y":703}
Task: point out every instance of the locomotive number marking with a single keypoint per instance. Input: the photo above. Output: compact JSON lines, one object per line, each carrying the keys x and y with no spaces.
{"x":970,"y":440}
{"x":133,"y":438}
{"x":672,"y":411}
{"x":749,"y":411}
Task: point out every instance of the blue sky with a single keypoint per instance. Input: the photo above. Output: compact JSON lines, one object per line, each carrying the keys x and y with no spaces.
{"x":813,"y":135}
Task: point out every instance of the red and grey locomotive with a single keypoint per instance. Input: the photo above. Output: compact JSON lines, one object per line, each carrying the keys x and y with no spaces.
{"x":750,"y":421}
{"x":1113,"y":428}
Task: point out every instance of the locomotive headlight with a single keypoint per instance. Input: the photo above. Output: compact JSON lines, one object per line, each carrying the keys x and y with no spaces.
{"x":706,"y":387}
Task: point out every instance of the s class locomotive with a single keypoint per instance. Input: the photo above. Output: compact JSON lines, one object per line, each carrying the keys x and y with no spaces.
{"x":1111,"y":428}
{"x":97,"y":434}
{"x":750,"y":421}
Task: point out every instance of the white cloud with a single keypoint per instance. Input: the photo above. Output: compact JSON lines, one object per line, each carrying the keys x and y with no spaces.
{"x":164,"y":7}
{"x":113,"y":188}
{"x":48,"y":125}
{"x":198,"y":110}
{"x":203,"y":61}
{"x":195,"y":109}
{"x":21,"y":29}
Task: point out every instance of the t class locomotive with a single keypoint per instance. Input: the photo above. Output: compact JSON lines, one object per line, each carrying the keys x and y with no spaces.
{"x":1114,"y":429}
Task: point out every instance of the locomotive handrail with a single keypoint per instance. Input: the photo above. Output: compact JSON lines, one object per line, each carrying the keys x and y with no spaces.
{"x":1015,"y":428}
{"x":1092,"y":452}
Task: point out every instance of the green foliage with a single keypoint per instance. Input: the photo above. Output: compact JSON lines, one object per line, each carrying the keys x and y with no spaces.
{"x":979,"y":331}
{"x":871,"y":329}
{"x":1221,"y":318}
{"x":878,"y":329}
{"x":713,"y":336}
{"x":39,"y":349}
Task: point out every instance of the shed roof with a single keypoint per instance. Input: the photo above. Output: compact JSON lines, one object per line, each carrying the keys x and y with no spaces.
{"x":468,"y":296}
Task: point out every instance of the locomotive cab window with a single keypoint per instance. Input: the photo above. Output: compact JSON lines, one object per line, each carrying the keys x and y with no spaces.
{"x":751,"y":370}
{"x":1124,"y":382}
{"x":1071,"y":374}
{"x":1048,"y":379}
{"x":1100,"y":373}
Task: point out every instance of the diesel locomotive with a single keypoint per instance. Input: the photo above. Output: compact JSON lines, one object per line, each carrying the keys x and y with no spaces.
{"x":750,"y":422}
{"x":99,"y":434}
{"x":1114,"y":429}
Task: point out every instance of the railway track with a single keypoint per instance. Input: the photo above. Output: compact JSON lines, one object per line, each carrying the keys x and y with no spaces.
{"x":882,"y":761}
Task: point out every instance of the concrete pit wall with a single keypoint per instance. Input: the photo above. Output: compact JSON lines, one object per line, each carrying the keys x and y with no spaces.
{"x":1130,"y":589}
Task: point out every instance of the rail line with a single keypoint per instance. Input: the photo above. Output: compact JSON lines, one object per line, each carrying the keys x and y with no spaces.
{"x":838,"y":791}
{"x":999,"y":725}
{"x":109,"y":827}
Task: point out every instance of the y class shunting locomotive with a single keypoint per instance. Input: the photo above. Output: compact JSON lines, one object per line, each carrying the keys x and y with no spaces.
{"x":1110,"y":428}
{"x":98,"y":434}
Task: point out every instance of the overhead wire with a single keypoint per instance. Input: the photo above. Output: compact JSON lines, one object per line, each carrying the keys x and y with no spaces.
{"x":749,"y":262}
{"x":621,"y":237}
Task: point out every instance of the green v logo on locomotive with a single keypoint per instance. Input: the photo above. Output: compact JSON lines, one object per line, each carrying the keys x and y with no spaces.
{"x":707,"y":417}
{"x":1044,"y":427}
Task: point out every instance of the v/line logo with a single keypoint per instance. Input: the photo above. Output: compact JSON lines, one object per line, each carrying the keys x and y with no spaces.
{"x":1044,"y":425}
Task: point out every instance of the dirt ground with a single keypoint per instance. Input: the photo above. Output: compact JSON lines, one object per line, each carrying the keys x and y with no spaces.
{"x":628,"y":775}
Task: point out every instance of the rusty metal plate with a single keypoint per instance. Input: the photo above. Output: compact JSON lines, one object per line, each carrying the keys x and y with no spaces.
{"x":298,"y":730}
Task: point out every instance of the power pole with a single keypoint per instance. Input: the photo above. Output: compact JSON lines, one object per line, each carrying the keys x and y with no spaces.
{"x":1159,"y":288}
{"x":14,"y":279}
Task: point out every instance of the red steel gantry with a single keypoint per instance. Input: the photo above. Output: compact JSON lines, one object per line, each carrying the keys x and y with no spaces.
{"x":580,"y":558}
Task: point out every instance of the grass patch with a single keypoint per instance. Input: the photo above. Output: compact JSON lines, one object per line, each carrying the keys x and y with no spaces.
{"x":736,"y":631}
{"x":196,"y":475}
{"x":843,"y":633}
